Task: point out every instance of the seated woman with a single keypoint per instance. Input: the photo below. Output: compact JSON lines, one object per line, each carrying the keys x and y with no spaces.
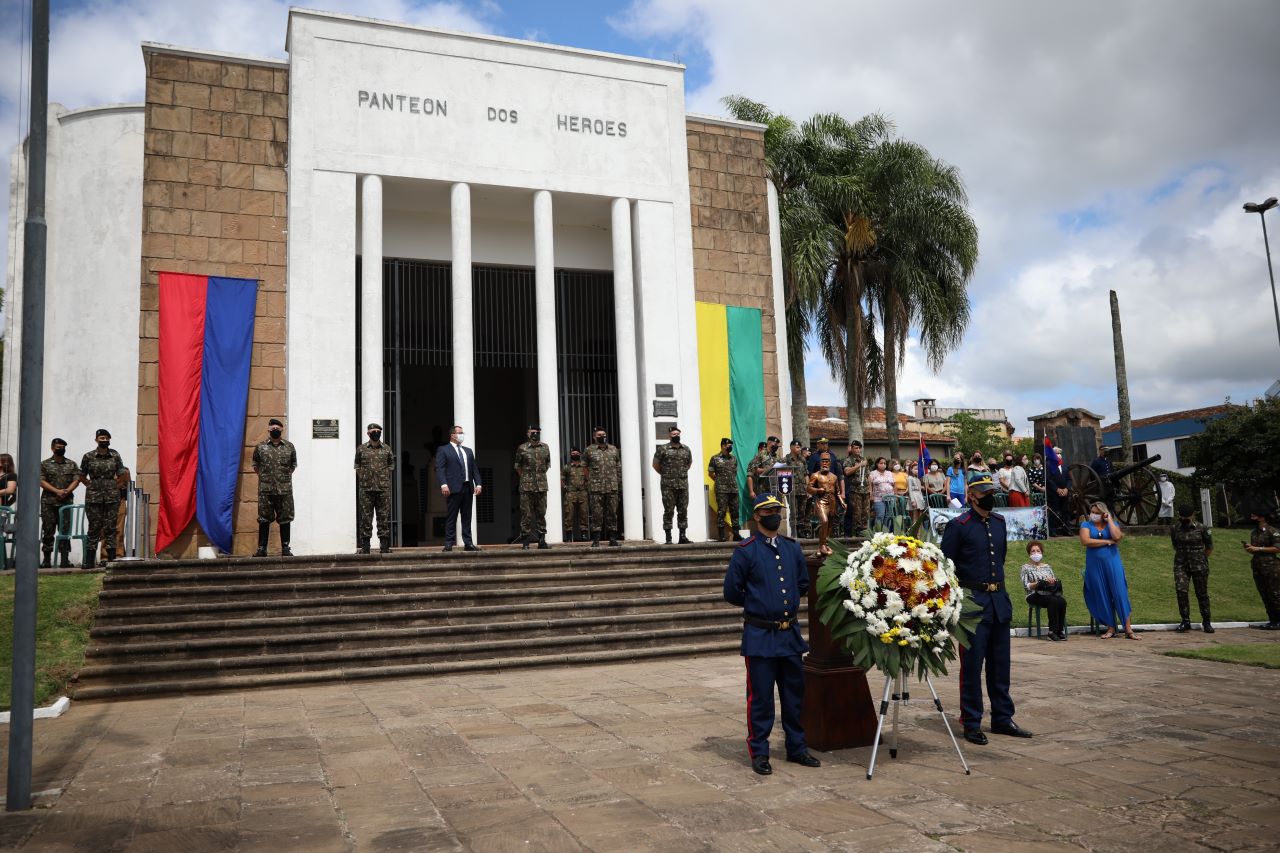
{"x":1045,"y":590}
{"x":1106,"y":592}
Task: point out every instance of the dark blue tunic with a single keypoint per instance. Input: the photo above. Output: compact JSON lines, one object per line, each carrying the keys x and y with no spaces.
{"x":769,"y":583}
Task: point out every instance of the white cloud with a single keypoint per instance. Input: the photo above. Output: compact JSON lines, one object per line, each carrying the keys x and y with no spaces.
{"x":1106,"y":145}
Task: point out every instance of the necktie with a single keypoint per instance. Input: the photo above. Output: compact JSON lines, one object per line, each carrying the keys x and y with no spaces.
{"x":463,"y":459}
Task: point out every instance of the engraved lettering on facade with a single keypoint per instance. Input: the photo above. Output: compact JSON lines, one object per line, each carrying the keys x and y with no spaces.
{"x":395,"y":102}
{"x":591,"y":125}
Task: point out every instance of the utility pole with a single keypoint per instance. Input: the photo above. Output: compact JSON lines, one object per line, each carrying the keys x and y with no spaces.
{"x":1122,"y":384}
{"x":30,"y":399}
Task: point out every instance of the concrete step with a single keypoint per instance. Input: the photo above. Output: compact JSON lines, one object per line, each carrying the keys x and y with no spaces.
{"x":208,"y":683}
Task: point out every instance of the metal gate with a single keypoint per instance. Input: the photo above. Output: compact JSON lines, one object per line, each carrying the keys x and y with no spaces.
{"x":587,"y":357}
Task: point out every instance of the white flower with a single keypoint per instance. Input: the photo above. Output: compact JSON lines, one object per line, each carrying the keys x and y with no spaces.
{"x":902,"y":618}
{"x":869,"y":600}
{"x":896,"y":550}
{"x":920,"y":611}
{"x":939,"y":577}
{"x":941,"y":635}
{"x":938,"y":649}
{"x":911,"y":566}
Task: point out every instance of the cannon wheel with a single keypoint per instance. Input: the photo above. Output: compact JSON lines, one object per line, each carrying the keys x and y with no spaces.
{"x":1136,"y":498}
{"x":1086,"y":487}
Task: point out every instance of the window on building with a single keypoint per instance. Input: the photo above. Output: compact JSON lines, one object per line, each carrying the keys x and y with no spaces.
{"x":1139,"y":452}
{"x":1179,"y":452}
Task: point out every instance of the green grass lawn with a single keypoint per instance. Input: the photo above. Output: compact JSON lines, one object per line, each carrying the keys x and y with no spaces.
{"x":65,"y":608}
{"x":1255,"y":654}
{"x":1148,"y":564}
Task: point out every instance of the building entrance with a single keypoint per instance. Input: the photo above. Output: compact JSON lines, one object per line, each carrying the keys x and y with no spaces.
{"x":418,"y":382}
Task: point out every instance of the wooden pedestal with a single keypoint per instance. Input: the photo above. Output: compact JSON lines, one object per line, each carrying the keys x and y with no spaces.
{"x":838,"y":711}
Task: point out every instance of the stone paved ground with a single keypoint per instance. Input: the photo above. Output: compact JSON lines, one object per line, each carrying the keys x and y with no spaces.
{"x":1134,"y":751}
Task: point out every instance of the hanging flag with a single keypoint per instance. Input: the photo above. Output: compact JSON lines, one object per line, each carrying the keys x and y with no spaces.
{"x":1051,"y":461}
{"x":206,"y":341}
{"x":925,"y":458}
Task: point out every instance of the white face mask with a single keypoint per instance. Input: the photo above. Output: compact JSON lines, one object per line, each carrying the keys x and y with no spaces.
{"x":933,"y":468}
{"x":458,"y":437}
{"x":897,"y":468}
{"x":1095,"y":517}
{"x":1036,"y":556}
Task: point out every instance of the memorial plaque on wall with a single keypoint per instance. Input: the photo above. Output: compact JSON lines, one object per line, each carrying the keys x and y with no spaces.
{"x":662,"y":430}
{"x":664,"y":390}
{"x":324,"y":428}
{"x":665,"y":409}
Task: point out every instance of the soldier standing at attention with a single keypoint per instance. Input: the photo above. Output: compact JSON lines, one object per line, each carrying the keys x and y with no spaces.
{"x":797,"y":500}
{"x":1264,"y":545}
{"x":723,"y":471}
{"x":98,"y":471}
{"x":374,"y":464}
{"x":768,"y":579}
{"x":1192,"y":546}
{"x":673,"y":461}
{"x":533,"y":458}
{"x":274,"y":461}
{"x":573,"y":482}
{"x":604,"y":479}
{"x":59,"y":477}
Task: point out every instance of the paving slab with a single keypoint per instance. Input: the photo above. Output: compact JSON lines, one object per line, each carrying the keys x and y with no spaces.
{"x":1133,"y":751}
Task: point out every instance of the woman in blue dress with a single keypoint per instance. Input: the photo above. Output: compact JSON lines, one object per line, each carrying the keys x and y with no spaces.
{"x":1106,"y":592}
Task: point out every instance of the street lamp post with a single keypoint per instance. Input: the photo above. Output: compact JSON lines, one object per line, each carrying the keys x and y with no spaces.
{"x":1261,"y":209}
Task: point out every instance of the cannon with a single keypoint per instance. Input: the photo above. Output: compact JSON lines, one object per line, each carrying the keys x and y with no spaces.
{"x":1131,"y":492}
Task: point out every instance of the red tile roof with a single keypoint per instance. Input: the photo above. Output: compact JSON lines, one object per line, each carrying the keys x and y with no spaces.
{"x":1187,"y":415}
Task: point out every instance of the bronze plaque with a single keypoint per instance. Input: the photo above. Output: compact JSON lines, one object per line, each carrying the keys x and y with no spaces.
{"x":324,"y":428}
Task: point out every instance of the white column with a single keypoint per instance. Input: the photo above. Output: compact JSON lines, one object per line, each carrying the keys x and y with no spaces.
{"x":624,"y":316}
{"x":544,"y":271}
{"x":464,"y":363}
{"x":780,"y":320}
{"x":371,"y":384}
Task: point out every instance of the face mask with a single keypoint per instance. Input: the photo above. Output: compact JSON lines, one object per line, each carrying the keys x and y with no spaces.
{"x":728,"y":448}
{"x":375,"y":434}
{"x":771,"y":522}
{"x":59,"y":451}
{"x":1036,"y":556}
{"x":897,"y":468}
{"x":1095,"y":517}
{"x":675,"y":439}
{"x":600,"y":439}
{"x":459,"y":437}
{"x":104,"y":444}
{"x":987,"y":501}
{"x":576,"y":457}
{"x":1008,"y":463}
{"x":275,"y":433}
{"x":535,"y":435}
{"x":933,"y":469}
{"x":1186,"y":522}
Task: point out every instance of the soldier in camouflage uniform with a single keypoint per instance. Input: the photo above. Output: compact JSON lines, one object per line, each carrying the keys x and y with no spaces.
{"x":1264,"y":545}
{"x":59,"y":477}
{"x":573,"y":483}
{"x":857,"y":490}
{"x":98,"y":471}
{"x":760,"y":478}
{"x":673,"y":461}
{"x":798,"y":500}
{"x":604,"y":479}
{"x":723,"y":471}
{"x":374,"y":463}
{"x":1192,"y":545}
{"x":533,"y":458}
{"x":274,"y":461}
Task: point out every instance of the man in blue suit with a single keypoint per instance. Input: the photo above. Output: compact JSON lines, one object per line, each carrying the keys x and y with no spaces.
{"x":768,"y":579}
{"x":975,"y":542}
{"x":459,"y":480}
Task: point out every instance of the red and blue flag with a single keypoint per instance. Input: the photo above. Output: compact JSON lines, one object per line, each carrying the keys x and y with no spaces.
{"x":925,"y":458}
{"x":206,"y":344}
{"x":1051,"y":460}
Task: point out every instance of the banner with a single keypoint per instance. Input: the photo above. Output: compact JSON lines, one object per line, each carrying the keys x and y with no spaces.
{"x":206,"y":344}
{"x":1021,"y":523}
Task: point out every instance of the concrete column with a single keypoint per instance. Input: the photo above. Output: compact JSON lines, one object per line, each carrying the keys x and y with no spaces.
{"x":544,"y":270}
{"x":624,"y":315}
{"x":371,"y":380}
{"x":464,"y":362}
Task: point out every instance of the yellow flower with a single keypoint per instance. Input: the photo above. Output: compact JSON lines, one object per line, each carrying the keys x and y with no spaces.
{"x":886,"y":638}
{"x":902,"y":642}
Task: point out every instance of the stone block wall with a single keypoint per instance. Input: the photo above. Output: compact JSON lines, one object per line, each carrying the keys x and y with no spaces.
{"x":729,"y":202}
{"x":214,"y":203}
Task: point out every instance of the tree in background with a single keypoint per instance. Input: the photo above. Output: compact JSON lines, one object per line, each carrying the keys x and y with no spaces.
{"x":1238,"y":450}
{"x":973,"y":435}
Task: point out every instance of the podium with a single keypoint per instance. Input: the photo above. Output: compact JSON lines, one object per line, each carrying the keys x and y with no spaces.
{"x":838,"y":712}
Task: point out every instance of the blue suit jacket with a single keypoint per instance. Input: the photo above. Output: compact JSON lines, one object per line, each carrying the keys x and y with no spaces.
{"x":978,"y":547}
{"x":449,"y":468}
{"x":769,"y":584}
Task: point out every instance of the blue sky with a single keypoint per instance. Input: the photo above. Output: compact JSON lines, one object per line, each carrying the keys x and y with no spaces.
{"x":1108,"y":144}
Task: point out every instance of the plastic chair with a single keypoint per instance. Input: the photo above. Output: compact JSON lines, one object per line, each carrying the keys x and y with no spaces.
{"x":1037,"y":498}
{"x":71,"y":518}
{"x":1002,"y":499}
{"x":1036,"y":608}
{"x":8,"y":534}
{"x":938,"y":501}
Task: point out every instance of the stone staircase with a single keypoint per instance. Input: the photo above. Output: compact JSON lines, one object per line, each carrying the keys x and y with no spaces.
{"x":199,"y":625}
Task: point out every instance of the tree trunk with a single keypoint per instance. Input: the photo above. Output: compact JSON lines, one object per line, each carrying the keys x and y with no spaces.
{"x":1122,"y":384}
{"x":799,"y":391}
{"x":853,"y":349}
{"x":891,"y":381}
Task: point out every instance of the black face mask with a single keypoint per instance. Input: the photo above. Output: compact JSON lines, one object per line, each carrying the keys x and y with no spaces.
{"x":576,"y":457}
{"x":59,"y":451}
{"x":675,"y":439}
{"x":728,"y":449}
{"x":275,"y":433}
{"x":987,"y":501}
{"x":600,"y":439}
{"x":535,"y":435}
{"x":771,"y":522}
{"x":103,"y":445}
{"x":1008,"y":463}
{"x":1186,"y":522}
{"x":375,"y":435}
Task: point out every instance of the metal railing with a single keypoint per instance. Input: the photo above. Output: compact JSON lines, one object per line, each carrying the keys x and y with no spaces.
{"x":137,"y":524}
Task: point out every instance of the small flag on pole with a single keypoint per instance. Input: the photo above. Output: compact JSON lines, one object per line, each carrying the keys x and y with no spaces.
{"x":1051,"y":460}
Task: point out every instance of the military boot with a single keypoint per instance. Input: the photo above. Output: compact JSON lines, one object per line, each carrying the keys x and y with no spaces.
{"x":542,"y":543}
{"x":683,"y":540}
{"x":595,"y":540}
{"x":737,"y":537}
{"x":384,"y":545}
{"x":47,"y":562}
{"x":264,"y":531}
{"x":524,"y":543}
{"x":111,"y":554}
{"x":362,"y":547}
{"x":1208,"y":627}
{"x":1183,"y":627}
{"x":668,"y":530}
{"x":64,"y":559}
{"x":284,"y":540}
{"x":89,"y":559}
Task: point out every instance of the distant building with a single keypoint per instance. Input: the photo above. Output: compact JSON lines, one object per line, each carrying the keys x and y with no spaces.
{"x":832,"y":422}
{"x":1165,"y":435}
{"x":928,"y":412}
{"x":1077,"y":431}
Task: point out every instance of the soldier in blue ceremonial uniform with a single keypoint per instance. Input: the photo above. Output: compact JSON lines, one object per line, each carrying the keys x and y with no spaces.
{"x":975,"y":542}
{"x":768,"y":579}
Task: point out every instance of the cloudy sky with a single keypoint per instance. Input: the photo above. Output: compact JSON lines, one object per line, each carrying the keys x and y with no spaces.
{"x":1106,"y":144}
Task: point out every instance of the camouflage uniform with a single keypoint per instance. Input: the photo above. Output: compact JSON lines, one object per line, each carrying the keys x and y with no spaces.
{"x":275,"y":464}
{"x":533,"y":458}
{"x":61,"y":473}
{"x":761,"y":471}
{"x":673,"y":462}
{"x":1266,"y":569}
{"x":1190,"y":563}
{"x":102,"y":495}
{"x":574,"y":479}
{"x":604,"y":479}
{"x":723,"y":471}
{"x":374,"y":464}
{"x":798,"y":500}
{"x":857,"y":494}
